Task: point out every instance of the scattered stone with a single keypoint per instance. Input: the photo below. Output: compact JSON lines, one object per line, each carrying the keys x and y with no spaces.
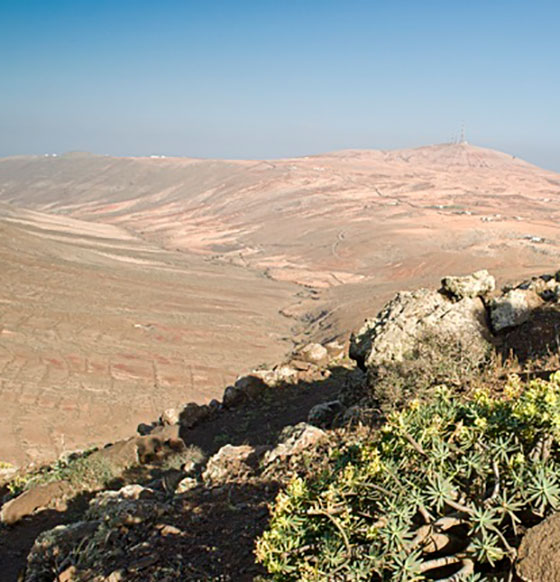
{"x":335,"y":350}
{"x":323,"y":415}
{"x":144,"y":429}
{"x":186,"y":484}
{"x":67,"y":575}
{"x":411,"y":315}
{"x":293,"y":440}
{"x":232,"y":396}
{"x":231,"y":462}
{"x":512,"y":309}
{"x":314,"y":354}
{"x":169,"y":530}
{"x":170,"y":416}
{"x":478,"y":284}
{"x":193,"y":414}
{"x":538,"y":559}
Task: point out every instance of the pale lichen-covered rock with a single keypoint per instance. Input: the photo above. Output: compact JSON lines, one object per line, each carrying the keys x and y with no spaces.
{"x":314,"y":354}
{"x":169,"y":416}
{"x":411,"y":316}
{"x":186,"y":484}
{"x":512,"y":309}
{"x":323,"y":415}
{"x":285,"y":375}
{"x":478,"y":284}
{"x":335,"y":350}
{"x":231,"y":462}
{"x":538,"y":557}
{"x":293,"y":440}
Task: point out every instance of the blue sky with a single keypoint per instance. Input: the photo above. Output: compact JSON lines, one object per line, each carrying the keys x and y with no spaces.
{"x":267,"y":78}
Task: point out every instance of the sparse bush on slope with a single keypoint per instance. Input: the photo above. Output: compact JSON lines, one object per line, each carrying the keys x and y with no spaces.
{"x":444,"y":491}
{"x":436,"y":359}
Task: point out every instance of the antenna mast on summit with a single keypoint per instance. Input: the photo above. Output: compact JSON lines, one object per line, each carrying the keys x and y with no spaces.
{"x":463,"y":140}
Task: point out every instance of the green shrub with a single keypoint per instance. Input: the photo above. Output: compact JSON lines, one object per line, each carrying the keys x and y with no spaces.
{"x":436,"y":359}
{"x":443,"y":491}
{"x":83,"y":471}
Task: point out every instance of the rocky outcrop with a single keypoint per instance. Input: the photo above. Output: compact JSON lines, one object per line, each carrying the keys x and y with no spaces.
{"x":409,"y":317}
{"x":478,"y":284}
{"x":538,"y":558}
{"x":232,"y":462}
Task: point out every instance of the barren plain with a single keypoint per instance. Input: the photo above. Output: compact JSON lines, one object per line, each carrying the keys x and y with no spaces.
{"x":133,"y":284}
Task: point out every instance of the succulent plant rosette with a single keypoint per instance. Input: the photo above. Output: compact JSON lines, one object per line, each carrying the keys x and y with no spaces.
{"x":443,"y":491}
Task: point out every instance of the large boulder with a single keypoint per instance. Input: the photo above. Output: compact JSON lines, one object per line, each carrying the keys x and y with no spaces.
{"x":410,"y":317}
{"x":538,"y":558}
{"x":513,"y":308}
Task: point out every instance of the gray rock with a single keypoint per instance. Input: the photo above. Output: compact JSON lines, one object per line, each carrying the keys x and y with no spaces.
{"x":335,"y":350}
{"x":478,"y":284}
{"x":409,"y":317}
{"x":251,"y":385}
{"x":231,"y":462}
{"x":170,"y":416}
{"x":323,"y":415}
{"x":293,"y":440}
{"x":512,"y":309}
{"x":314,"y":354}
{"x":193,"y":414}
{"x":232,"y":396}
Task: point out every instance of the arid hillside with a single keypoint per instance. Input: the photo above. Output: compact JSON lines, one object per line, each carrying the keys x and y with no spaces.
{"x":100,"y":331}
{"x":131,"y":284}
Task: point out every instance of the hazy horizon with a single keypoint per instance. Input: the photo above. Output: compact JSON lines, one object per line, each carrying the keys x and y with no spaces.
{"x":247,"y":80}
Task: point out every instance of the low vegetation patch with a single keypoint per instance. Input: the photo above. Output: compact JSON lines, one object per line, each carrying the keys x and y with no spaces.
{"x":437,"y":359}
{"x":444,"y":491}
{"x":81,"y":471}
